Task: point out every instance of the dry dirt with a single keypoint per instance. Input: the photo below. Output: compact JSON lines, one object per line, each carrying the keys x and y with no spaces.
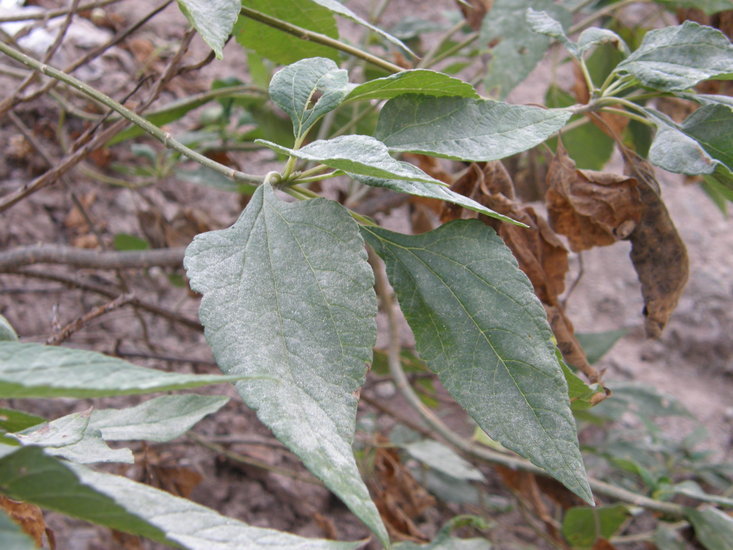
{"x":693,"y":361}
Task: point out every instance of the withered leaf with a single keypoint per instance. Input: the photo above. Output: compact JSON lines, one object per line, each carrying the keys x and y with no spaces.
{"x":28,"y":516}
{"x":474,"y":14}
{"x":657,"y":251}
{"x":590,"y":208}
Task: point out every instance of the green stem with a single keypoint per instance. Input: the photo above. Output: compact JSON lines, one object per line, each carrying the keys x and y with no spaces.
{"x":453,"y":49}
{"x":580,"y":25}
{"x":319,"y":177}
{"x":369,"y":109}
{"x":164,"y":137}
{"x":627,"y":114}
{"x":305,"y":34}
{"x":587,"y":78}
{"x":427,"y":59}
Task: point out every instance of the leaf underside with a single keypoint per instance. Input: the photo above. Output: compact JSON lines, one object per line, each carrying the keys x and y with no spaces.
{"x":288,"y":298}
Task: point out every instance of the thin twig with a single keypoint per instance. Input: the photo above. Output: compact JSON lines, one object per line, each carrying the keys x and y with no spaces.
{"x":107,"y":291}
{"x":92,"y":259}
{"x":305,"y":34}
{"x":78,"y":324}
{"x":52,"y":14}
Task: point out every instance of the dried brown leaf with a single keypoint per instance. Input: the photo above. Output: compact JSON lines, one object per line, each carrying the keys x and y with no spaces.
{"x":657,"y":251}
{"x":28,"y":516}
{"x":590,"y":208}
{"x":474,"y":15}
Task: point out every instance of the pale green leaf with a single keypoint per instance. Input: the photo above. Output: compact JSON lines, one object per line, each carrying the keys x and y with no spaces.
{"x":416,"y":81}
{"x":12,"y":536}
{"x":481,"y":328}
{"x":30,"y":475}
{"x":713,"y":528}
{"x":543,"y":23}
{"x":677,"y":58}
{"x":581,"y":394}
{"x":432,"y":191}
{"x":594,"y":36}
{"x":447,"y":543}
{"x":159,"y":419}
{"x":666,"y":537}
{"x":596,"y":344}
{"x":280,"y":46}
{"x":288,"y":297}
{"x":444,"y":459}
{"x":337,"y":7}
{"x":712,"y":127}
{"x":12,"y":420}
{"x":583,"y":526}
{"x":35,"y":370}
{"x":518,"y":49}
{"x":307,"y":90}
{"x":73,"y":438}
{"x":355,"y":154}
{"x":691,"y":489}
{"x":213,"y":19}
{"x":7,"y":332}
{"x":465,"y":129}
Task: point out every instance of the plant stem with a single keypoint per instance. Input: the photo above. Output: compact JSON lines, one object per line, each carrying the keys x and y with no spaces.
{"x":453,"y":49}
{"x":305,"y":34}
{"x":627,"y":114}
{"x":52,"y":14}
{"x":164,"y":137}
{"x":580,"y":25}
{"x":428,"y":57}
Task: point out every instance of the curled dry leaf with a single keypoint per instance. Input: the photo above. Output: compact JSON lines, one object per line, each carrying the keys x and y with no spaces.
{"x":657,"y":251}
{"x":590,"y":208}
{"x":28,"y":516}
{"x":538,"y":250}
{"x":474,"y":14}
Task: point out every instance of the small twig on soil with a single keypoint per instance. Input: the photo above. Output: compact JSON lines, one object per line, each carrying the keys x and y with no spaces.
{"x":92,"y":259}
{"x":78,"y":324}
{"x":249,"y":461}
{"x":107,"y":291}
{"x":52,"y":14}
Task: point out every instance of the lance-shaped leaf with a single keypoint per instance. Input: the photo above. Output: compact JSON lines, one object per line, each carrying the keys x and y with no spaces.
{"x":28,"y":474}
{"x":213,"y":19}
{"x":337,"y":7}
{"x":479,"y":325}
{"x":417,"y":81}
{"x":361,"y":155}
{"x":160,"y":419}
{"x":516,"y":48}
{"x":676,"y":58}
{"x":429,"y":190}
{"x":288,"y":298}
{"x":73,"y":438}
{"x":307,"y":90}
{"x":35,"y":370}
{"x":463,"y":128}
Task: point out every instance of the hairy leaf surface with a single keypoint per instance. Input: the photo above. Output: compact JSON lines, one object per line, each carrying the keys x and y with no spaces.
{"x":463,"y":128}
{"x":676,"y":58}
{"x":416,"y":81}
{"x":307,"y":90}
{"x":30,"y":475}
{"x":35,"y":370}
{"x":480,"y":327}
{"x":361,"y":155}
{"x":213,"y":19}
{"x":288,"y":298}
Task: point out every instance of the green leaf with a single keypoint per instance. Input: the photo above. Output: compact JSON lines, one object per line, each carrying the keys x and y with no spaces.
{"x":541,"y":22}
{"x":213,"y":19}
{"x":337,"y":7}
{"x":125,"y":241}
{"x":444,"y":459}
{"x":518,"y":49}
{"x":667,"y":538}
{"x":597,"y":344}
{"x":580,"y":393}
{"x":676,"y":58}
{"x":282,"y":47}
{"x":35,"y":370}
{"x":432,"y":191}
{"x":700,"y":145}
{"x":361,"y":155}
{"x":592,"y":37}
{"x":691,"y":489}
{"x":480,"y":327}
{"x":307,"y":90}
{"x":288,"y":298}
{"x":12,"y":537}
{"x":12,"y":420}
{"x":30,"y":475}
{"x":463,"y":128}
{"x":416,"y":81}
{"x":7,"y":332}
{"x":644,"y":401}
{"x":583,"y":526}
{"x":713,"y":528}
{"x":159,"y":419}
